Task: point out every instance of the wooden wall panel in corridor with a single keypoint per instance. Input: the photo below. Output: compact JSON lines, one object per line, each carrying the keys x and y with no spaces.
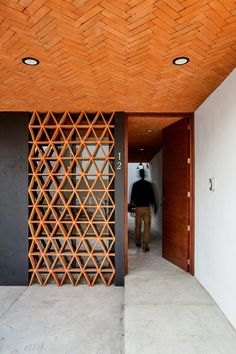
{"x":71,"y":198}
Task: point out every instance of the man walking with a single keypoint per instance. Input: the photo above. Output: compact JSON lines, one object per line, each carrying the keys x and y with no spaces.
{"x":142,"y":198}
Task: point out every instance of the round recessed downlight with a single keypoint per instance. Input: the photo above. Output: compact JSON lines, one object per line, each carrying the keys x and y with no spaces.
{"x":149,"y":130}
{"x":141,"y":149}
{"x":181,"y":61}
{"x":30,"y":61}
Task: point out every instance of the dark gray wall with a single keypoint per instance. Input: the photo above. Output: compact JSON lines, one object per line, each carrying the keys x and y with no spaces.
{"x":13,"y":198}
{"x":120,"y":211}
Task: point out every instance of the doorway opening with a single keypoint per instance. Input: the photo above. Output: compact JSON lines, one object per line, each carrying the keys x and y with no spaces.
{"x":162,"y":145}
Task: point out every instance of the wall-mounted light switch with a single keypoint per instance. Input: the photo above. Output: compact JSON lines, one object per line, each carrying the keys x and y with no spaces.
{"x":212,"y":184}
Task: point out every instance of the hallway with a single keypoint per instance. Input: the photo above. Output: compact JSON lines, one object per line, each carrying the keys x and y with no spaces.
{"x":167,"y":311}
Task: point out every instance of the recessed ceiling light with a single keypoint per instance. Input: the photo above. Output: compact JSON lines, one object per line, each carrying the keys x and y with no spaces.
{"x":149,"y":130}
{"x":141,"y":149}
{"x":30,"y":61}
{"x":181,"y":61}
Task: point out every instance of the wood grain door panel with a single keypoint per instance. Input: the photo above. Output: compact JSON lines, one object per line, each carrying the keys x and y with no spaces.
{"x":176,"y":181}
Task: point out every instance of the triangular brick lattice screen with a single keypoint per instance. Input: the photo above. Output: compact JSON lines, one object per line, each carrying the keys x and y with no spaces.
{"x":71,"y":198}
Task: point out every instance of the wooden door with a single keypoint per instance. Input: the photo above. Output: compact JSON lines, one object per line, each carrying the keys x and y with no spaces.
{"x":177,"y":193}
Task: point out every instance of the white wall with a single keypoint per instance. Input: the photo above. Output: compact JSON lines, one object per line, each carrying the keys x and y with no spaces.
{"x":156,"y":177}
{"x":215,"y":233}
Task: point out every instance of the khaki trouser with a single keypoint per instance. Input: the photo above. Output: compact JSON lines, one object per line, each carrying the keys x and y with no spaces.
{"x":143,"y":213}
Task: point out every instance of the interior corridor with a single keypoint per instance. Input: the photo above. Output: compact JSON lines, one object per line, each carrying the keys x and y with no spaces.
{"x":161,"y":310}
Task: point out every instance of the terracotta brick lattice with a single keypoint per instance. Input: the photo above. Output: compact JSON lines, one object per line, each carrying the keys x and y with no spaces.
{"x":71,"y":198}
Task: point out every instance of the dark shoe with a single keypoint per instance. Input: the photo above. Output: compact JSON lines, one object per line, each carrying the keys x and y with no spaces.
{"x":146,"y":249}
{"x":138,"y":244}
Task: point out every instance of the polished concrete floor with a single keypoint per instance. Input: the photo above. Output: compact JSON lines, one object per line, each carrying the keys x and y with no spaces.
{"x":167,"y":311}
{"x":162,"y":310}
{"x":63,"y":320}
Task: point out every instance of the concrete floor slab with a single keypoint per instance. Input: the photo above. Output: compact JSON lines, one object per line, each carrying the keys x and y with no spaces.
{"x":8,"y":296}
{"x":177,"y":329}
{"x":167,"y":311}
{"x":64,"y":320}
{"x":161,"y":282}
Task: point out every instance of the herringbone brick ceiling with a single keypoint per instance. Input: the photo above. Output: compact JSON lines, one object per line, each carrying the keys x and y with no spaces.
{"x":114,"y":54}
